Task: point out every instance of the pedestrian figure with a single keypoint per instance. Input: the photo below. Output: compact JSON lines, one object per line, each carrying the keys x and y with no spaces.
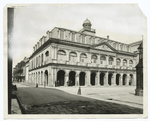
{"x":79,"y":91}
{"x":58,"y":83}
{"x":71,"y":83}
{"x":36,"y":85}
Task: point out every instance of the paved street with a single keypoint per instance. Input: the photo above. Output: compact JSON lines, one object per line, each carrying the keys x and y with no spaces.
{"x":56,"y":101}
{"x":118,"y":94}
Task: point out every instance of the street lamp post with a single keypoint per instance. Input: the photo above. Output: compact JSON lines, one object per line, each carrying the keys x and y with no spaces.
{"x":139,"y":73}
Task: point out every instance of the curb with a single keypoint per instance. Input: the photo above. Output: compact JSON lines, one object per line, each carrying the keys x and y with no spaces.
{"x":21,"y":105}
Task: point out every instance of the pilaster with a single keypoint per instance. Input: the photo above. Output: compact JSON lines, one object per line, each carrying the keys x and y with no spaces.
{"x":127,"y":79}
{"x":77,"y":78}
{"x":66,"y":77}
{"x":120,"y":79}
{"x":87,"y":80}
{"x":114,"y":79}
{"x":97,"y":79}
{"x":106,"y":79}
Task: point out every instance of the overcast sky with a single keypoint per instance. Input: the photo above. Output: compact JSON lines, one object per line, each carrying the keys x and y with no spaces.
{"x":123,"y":23}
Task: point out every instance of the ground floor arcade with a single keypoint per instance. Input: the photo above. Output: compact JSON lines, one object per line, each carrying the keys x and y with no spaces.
{"x":66,"y":77}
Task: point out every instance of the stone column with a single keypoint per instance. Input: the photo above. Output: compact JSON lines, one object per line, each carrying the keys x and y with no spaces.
{"x":114,"y":79}
{"x":49,"y":80}
{"x":127,"y":79}
{"x":54,"y":75}
{"x":97,"y":79}
{"x":43,"y":78}
{"x":77,"y":78}
{"x":120,"y":79}
{"x":134,"y":79}
{"x":106,"y":79}
{"x":66,"y":77}
{"x":40,"y":78}
{"x":33,"y":79}
{"x":87,"y":80}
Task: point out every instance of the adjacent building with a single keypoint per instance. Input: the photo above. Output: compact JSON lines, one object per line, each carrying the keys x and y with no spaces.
{"x":80,"y":58}
{"x":20,"y":74}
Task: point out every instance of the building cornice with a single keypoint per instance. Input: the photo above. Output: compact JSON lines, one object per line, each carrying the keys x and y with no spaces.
{"x":58,"y":65}
{"x":75,"y":44}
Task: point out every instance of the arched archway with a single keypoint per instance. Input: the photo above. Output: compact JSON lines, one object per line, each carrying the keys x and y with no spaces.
{"x":131,"y":79}
{"x":117,"y":79}
{"x":82,"y":79}
{"x":93,"y":74}
{"x":102,"y":75}
{"x":60,"y":78}
{"x":124,"y":79}
{"x":46,"y":77}
{"x":110,"y":78}
{"x":72,"y":78}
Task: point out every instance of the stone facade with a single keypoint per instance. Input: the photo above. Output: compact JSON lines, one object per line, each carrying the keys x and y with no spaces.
{"x":20,"y":74}
{"x":65,"y":57}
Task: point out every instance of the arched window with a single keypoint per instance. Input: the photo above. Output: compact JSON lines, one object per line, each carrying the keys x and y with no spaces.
{"x":47,"y":53}
{"x":124,"y":62}
{"x":73,"y":56}
{"x":46,"y":57}
{"x":130,"y":63}
{"x":94,"y":58}
{"x":102,"y":59}
{"x":83,"y":57}
{"x":118,"y":61}
{"x":61,"y":55}
{"x":111,"y":60}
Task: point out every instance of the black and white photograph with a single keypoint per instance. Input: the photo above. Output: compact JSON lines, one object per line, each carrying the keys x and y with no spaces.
{"x":75,"y":60}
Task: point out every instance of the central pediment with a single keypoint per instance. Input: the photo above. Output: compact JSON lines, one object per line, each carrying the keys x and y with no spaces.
{"x":104,"y":46}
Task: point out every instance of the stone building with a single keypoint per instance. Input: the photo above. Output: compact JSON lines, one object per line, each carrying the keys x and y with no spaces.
{"x":19,"y":72}
{"x":81,"y":58}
